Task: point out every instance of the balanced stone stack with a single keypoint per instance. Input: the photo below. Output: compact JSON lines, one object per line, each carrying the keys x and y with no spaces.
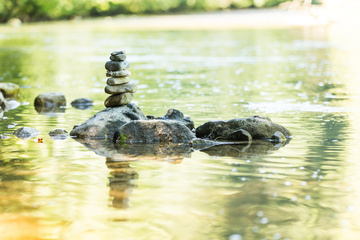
{"x":119,"y":85}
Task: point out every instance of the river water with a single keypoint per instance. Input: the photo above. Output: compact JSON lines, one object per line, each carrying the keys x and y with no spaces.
{"x":303,"y":78}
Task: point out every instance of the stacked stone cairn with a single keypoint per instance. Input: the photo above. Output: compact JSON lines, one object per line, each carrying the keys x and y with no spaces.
{"x":119,"y":85}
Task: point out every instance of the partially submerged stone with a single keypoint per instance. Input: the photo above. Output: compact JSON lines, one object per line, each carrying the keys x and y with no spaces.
{"x":2,"y":102}
{"x":26,"y":133}
{"x":58,"y":134}
{"x":151,"y":131}
{"x":9,"y":89}
{"x":82,"y":103}
{"x":278,"y":137}
{"x":50,"y":102}
{"x":258,"y":127}
{"x":105,"y":123}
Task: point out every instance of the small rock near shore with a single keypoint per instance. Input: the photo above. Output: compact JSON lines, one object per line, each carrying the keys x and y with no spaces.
{"x":82,"y":103}
{"x":278,"y":137}
{"x":58,"y":134}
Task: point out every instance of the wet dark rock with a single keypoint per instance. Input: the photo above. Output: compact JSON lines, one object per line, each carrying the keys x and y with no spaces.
{"x":258,"y":127}
{"x":174,"y":114}
{"x":106,"y":122}
{"x":58,"y":134}
{"x":50,"y":102}
{"x":150,"y":131}
{"x":82,"y":103}
{"x":9,"y":89}
{"x":26,"y":133}
{"x":278,"y":137}
{"x":117,"y":65}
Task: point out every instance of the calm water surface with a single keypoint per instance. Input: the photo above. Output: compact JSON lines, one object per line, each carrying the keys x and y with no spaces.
{"x":303,"y":79}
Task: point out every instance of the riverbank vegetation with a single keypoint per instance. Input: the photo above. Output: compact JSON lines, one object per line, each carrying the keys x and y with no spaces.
{"x":35,"y":10}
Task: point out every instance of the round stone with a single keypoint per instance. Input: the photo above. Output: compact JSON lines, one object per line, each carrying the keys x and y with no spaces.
{"x":118,"y":57}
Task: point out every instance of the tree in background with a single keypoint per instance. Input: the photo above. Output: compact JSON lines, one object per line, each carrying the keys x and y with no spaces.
{"x":34,"y":10}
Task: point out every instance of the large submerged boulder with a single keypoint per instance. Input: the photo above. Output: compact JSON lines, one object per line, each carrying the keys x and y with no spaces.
{"x":258,"y":127}
{"x":105,"y":123}
{"x":150,"y":131}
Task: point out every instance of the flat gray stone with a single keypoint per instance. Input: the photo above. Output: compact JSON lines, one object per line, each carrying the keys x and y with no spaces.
{"x":118,"y":100}
{"x":58,"y":134}
{"x":122,"y":73}
{"x":117,"y":52}
{"x":278,"y":137}
{"x":117,"y":81}
{"x":104,"y":124}
{"x":129,"y":87}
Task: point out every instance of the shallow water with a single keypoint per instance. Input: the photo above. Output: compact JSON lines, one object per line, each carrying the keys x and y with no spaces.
{"x":302,"y":78}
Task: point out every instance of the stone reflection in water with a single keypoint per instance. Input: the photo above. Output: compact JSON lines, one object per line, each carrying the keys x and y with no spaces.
{"x":121,"y":182}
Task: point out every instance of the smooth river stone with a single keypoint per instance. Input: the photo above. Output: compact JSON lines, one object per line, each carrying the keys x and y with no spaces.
{"x":117,"y":66}
{"x":123,"y":88}
{"x":118,"y":57}
{"x":118,"y":100}
{"x":121,"y":73}
{"x":117,"y":81}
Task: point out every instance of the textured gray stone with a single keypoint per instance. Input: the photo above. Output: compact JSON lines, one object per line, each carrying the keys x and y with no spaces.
{"x":118,"y":100}
{"x":114,"y":53}
{"x":104,"y":124}
{"x":117,"y":81}
{"x":258,"y":127}
{"x":122,"y":73}
{"x":117,"y":65}
{"x":26,"y":133}
{"x":129,"y":87}
{"x":151,"y":131}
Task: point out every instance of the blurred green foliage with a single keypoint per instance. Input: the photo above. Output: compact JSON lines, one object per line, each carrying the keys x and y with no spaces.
{"x":33,"y":10}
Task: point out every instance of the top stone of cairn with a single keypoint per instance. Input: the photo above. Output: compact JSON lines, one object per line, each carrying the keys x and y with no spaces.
{"x":118,"y":56}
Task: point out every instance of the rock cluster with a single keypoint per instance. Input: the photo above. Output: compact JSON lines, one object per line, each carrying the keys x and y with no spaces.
{"x":119,"y":85}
